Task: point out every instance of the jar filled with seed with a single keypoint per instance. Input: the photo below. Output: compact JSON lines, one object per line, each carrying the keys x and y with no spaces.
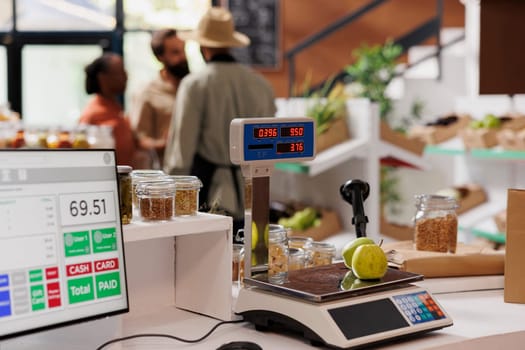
{"x":436,"y":223}
{"x":277,"y":254}
{"x":156,"y":200}
{"x":125,"y":193}
{"x":321,"y":253}
{"x":142,"y":175}
{"x":186,"y":195}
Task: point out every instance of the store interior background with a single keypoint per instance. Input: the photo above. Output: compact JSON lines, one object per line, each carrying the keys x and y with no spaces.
{"x":42,"y":61}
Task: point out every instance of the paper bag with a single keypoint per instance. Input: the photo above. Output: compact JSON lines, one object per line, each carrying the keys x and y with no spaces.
{"x":515,"y":248}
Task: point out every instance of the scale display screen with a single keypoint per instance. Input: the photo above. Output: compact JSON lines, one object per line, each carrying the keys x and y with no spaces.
{"x":278,"y":140}
{"x":61,"y":249}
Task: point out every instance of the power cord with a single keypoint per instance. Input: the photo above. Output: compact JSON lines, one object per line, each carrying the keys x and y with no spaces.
{"x":160,"y":335}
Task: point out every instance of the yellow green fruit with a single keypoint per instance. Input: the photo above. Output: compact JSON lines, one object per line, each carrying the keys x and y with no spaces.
{"x":369,"y":262}
{"x":349,"y":249}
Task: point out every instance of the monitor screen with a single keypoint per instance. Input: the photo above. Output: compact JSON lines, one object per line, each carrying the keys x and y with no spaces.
{"x":61,"y":247}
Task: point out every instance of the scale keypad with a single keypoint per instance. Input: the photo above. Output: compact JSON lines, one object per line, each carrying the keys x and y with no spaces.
{"x":418,"y":307}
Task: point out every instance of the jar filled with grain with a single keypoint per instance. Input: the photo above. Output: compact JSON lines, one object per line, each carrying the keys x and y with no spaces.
{"x":321,"y":253}
{"x":186,"y":195}
{"x":124,"y":187}
{"x":277,"y":254}
{"x":142,"y":175}
{"x":436,"y":223}
{"x":156,"y":200}
{"x":304,"y":243}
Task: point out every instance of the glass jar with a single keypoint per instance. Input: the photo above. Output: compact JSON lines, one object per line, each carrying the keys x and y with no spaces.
{"x":186,"y":195}
{"x":124,"y":183}
{"x":142,"y":175}
{"x":156,"y":200}
{"x":296,"y":259}
{"x":277,"y":254}
{"x":436,"y":223}
{"x":238,"y":263}
{"x":321,"y":253}
{"x":300,"y":242}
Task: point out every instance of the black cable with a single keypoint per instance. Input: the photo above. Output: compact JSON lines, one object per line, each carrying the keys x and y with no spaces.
{"x":160,"y":335}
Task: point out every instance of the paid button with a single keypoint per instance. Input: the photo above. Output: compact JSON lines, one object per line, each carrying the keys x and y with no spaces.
{"x":108,"y":284}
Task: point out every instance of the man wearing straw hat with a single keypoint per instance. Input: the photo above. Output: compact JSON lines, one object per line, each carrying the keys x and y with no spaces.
{"x":207,"y":101}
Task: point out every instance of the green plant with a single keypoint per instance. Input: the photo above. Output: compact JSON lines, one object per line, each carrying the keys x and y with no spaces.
{"x":329,"y":105}
{"x":374,"y":69}
{"x":388,"y":189}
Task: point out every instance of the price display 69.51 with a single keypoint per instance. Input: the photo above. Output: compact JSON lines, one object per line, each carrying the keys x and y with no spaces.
{"x":83,"y":208}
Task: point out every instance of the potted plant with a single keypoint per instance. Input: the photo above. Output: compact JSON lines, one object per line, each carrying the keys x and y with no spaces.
{"x":328,"y":109}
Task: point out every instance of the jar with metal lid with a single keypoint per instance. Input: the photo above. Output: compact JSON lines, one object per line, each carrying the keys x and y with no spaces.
{"x":321,"y":253}
{"x":238,"y":263}
{"x":436,"y":223}
{"x":140,"y":175}
{"x":297,"y":259}
{"x":186,"y":195}
{"x":156,"y":200}
{"x":300,"y":242}
{"x":125,"y":195}
{"x":277,"y":254}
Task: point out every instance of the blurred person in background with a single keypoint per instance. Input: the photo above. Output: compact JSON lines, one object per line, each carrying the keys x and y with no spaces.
{"x":153,"y":106}
{"x":206,"y":103}
{"x":106,"y":78}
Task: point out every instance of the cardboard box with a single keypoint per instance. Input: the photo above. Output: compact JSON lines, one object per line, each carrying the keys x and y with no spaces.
{"x":512,"y":140}
{"x":398,"y":139}
{"x":396,"y":231}
{"x":486,"y":138}
{"x":474,"y":196}
{"x":337,"y":133}
{"x":500,"y":219}
{"x":515,"y":247}
{"x":330,"y":225}
{"x":439,"y":133}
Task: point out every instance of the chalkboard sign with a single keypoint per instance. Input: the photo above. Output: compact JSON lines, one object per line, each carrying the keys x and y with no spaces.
{"x":260,"y":21}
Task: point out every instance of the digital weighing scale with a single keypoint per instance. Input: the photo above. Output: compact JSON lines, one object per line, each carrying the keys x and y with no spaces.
{"x":326,"y":304}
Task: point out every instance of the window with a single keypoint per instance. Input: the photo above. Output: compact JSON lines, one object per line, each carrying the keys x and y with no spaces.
{"x":156,"y":14}
{"x":55,"y":39}
{"x":54,"y":96}
{"x":6,"y":16}
{"x":3,"y":76}
{"x":63,"y":15}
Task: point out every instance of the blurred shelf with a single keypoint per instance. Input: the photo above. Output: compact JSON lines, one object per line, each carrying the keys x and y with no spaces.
{"x":327,"y":159}
{"x":497,"y":153}
{"x":455,"y":147}
{"x":178,"y":226}
{"x":451,"y":147}
{"x":390,"y":150}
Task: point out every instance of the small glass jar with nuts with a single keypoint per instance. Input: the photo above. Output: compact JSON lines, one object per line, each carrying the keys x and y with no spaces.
{"x":156,"y":200}
{"x":277,"y":254}
{"x":321,"y":253}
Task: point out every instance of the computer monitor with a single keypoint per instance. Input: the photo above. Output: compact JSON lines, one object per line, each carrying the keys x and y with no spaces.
{"x":61,"y":246}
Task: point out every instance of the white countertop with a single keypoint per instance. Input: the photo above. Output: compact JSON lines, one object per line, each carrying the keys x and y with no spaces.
{"x":475,"y":314}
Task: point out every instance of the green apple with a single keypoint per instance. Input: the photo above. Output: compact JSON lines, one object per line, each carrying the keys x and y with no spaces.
{"x":369,"y":262}
{"x":350,"y":281}
{"x":349,"y":249}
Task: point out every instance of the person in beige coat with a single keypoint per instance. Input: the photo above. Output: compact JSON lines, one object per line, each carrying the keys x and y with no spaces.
{"x":206,"y":103}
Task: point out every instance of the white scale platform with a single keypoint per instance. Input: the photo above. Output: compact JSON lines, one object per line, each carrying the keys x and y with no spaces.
{"x":326,"y":308}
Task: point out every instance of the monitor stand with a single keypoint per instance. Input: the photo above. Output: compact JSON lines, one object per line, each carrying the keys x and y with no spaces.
{"x":86,"y":335}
